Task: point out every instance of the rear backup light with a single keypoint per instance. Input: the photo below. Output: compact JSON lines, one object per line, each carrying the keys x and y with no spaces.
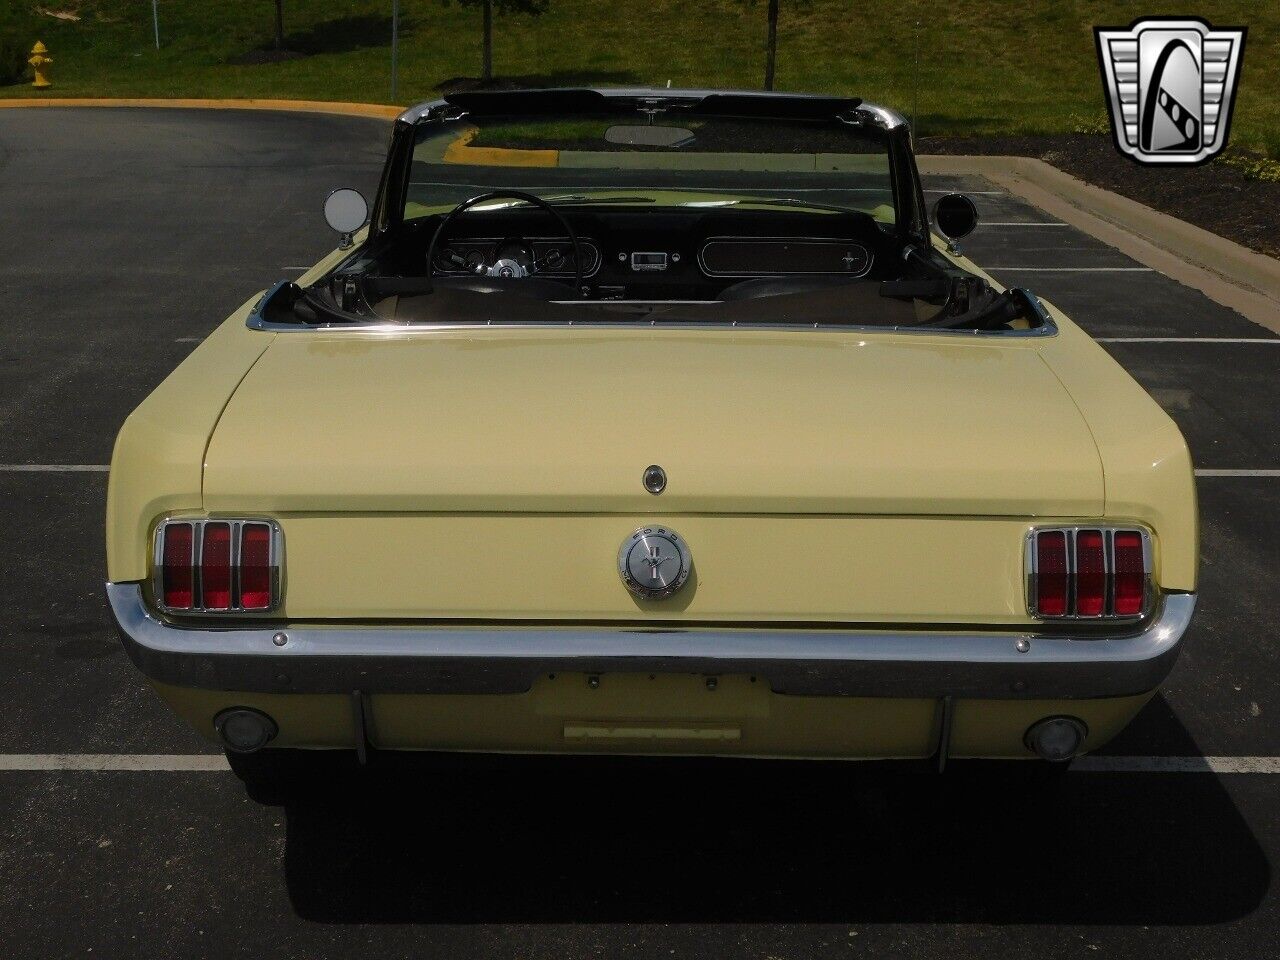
{"x":1056,"y":739}
{"x":1088,"y":573}
{"x":218,"y":566}
{"x":244,"y":729}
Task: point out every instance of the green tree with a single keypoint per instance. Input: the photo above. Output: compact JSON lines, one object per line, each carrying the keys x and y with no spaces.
{"x":18,"y":33}
{"x":531,"y":7}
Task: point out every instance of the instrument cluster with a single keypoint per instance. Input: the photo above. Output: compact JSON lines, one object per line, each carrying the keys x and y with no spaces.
{"x":543,"y":256}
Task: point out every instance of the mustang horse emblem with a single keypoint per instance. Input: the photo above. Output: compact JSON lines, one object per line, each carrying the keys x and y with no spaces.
{"x":655,"y":560}
{"x":654,"y":563}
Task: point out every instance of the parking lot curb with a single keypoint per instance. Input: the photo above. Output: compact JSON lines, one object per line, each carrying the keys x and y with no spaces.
{"x":1226,"y":272}
{"x":376,"y":110}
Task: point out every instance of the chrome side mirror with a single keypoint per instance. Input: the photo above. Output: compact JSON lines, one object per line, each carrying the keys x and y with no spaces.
{"x":955,"y":216}
{"x":346,"y":211}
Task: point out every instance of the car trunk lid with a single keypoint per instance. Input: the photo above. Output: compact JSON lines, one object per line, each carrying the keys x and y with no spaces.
{"x":742,"y":421}
{"x":494,"y":474}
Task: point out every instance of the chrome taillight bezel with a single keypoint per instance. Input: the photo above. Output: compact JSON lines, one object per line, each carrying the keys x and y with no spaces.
{"x":275,"y":563}
{"x":1108,"y":532}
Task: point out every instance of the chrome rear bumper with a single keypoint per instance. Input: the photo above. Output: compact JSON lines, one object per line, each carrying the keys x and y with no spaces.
{"x":327,"y":658}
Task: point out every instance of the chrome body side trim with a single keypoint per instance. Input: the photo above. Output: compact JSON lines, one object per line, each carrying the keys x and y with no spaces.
{"x":332,"y":658}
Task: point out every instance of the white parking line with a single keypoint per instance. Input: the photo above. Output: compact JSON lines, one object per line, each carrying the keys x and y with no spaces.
{"x":1022,"y":223}
{"x":189,"y":340}
{"x":1238,"y":473}
{"x":1187,"y":339}
{"x":216,"y":763}
{"x":129,"y":762}
{"x":1177,"y":765}
{"x":1074,"y":269}
{"x":54,"y":467}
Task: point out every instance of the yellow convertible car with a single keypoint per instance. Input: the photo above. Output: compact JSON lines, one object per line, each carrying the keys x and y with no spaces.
{"x":652,"y":422}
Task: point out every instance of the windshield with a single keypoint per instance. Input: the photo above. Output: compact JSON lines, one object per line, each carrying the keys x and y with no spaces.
{"x":691,"y":161}
{"x":572,"y":207}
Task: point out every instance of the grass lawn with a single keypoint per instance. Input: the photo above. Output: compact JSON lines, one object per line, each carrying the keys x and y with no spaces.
{"x":984,"y":66}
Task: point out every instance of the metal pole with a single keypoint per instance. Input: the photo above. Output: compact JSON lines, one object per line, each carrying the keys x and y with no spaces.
{"x":915,"y":85}
{"x":771,"y":45}
{"x":155,"y":19}
{"x":395,"y":49}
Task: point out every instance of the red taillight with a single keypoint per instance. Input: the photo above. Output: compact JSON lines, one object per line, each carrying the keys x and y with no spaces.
{"x":176,"y":570}
{"x":215,"y":567}
{"x":218,"y":566}
{"x":1100,"y":573}
{"x":1051,"y":573}
{"x":255,"y":566}
{"x":1130,"y":573}
{"x":1091,"y":574}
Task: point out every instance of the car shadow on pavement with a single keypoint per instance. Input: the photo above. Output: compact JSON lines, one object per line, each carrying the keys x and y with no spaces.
{"x":441,"y":839}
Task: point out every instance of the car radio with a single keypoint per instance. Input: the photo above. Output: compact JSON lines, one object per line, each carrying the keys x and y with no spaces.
{"x":647,"y":262}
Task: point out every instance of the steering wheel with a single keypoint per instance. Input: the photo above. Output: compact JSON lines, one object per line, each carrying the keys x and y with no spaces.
{"x":466,"y":205}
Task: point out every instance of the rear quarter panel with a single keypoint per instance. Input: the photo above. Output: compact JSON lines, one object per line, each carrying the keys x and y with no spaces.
{"x":158,"y":462}
{"x":1147,"y":470}
{"x":1148,"y":474}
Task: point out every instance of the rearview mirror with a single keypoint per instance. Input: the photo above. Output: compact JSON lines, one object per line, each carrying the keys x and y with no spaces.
{"x":648,"y":136}
{"x":346,"y":212}
{"x":955,"y":216}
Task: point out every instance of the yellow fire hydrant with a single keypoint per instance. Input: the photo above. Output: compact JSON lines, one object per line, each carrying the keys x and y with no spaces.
{"x":38,"y":62}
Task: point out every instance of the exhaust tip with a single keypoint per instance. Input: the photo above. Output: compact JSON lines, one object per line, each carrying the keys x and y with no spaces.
{"x":244,"y":730}
{"x":1056,"y":739}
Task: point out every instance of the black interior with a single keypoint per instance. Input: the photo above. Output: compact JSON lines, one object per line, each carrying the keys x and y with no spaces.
{"x":813,"y":267}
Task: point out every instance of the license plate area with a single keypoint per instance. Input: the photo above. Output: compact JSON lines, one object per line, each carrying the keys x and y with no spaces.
{"x":640,"y":700}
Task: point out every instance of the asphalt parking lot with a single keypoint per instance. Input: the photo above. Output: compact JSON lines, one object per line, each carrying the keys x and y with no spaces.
{"x":130,"y":234}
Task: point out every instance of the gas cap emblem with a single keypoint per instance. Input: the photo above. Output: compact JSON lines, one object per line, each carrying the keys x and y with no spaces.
{"x":654,"y":479}
{"x":654,"y":563}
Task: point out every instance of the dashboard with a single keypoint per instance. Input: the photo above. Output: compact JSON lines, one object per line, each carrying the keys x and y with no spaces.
{"x":661,"y":253}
